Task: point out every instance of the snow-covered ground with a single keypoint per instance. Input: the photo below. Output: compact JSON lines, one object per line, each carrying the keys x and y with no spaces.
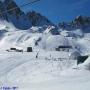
{"x":47,"y":72}
{"x":52,"y":70}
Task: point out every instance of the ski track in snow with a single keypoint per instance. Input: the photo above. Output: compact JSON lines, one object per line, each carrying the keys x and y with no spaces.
{"x":13,"y":61}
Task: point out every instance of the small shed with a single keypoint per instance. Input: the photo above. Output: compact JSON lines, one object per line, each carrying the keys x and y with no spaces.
{"x":16,"y":49}
{"x":74,"y":55}
{"x":29,"y":49}
{"x":81,"y":59}
{"x":63,"y":48}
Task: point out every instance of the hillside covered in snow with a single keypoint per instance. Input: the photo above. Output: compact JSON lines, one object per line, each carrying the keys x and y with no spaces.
{"x":51,"y":63}
{"x":51,"y":69}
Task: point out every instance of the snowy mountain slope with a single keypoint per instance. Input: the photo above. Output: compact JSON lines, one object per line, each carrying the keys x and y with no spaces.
{"x":47,"y":41}
{"x":74,"y":33}
{"x":24,"y":39}
{"x":32,"y":37}
{"x":50,"y":68}
{"x":18,"y":39}
{"x":53,"y":42}
{"x":51,"y":30}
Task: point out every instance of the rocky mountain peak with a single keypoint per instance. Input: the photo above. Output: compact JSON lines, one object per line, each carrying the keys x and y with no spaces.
{"x":10,"y":8}
{"x":80,"y":22}
{"x":13,"y":13}
{"x":37,"y":19}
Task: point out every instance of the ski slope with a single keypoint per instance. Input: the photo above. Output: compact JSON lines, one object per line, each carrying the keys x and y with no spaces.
{"x":52,"y":70}
{"x":44,"y":73}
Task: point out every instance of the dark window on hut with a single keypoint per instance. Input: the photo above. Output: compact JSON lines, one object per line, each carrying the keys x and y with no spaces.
{"x":12,"y":48}
{"x":62,"y":48}
{"x":29,"y":49}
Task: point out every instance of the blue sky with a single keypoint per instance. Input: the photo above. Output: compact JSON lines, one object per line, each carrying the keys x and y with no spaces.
{"x":59,"y":10}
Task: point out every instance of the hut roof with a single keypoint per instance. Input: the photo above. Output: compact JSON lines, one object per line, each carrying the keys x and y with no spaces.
{"x":65,"y":47}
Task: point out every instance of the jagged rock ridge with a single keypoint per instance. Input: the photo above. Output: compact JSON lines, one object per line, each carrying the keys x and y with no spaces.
{"x":19,"y":18}
{"x":37,"y":19}
{"x":80,"y":22}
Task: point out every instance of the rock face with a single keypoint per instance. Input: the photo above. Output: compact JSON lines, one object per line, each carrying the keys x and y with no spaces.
{"x":1,"y":8}
{"x":80,"y":22}
{"x":37,"y":19}
{"x":19,"y":19}
{"x":15,"y":16}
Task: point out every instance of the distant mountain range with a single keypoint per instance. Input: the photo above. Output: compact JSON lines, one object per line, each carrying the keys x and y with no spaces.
{"x":80,"y":22}
{"x":25,"y":21}
{"x":19,"y":18}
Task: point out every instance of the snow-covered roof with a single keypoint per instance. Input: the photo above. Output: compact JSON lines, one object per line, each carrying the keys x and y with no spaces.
{"x":74,"y":55}
{"x":54,"y":41}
